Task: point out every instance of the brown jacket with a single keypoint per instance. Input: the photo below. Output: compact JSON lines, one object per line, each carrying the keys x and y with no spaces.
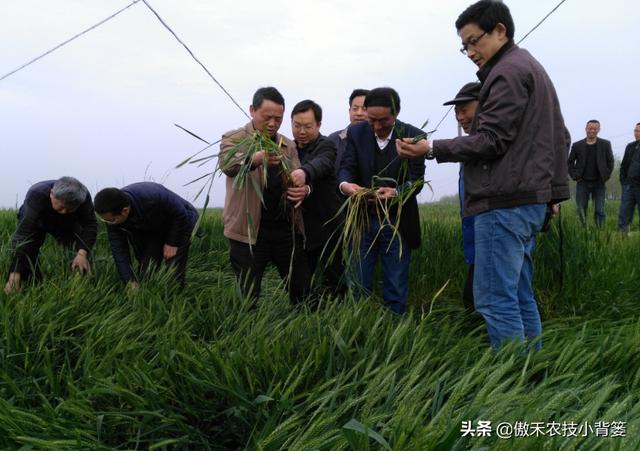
{"x":242,"y":206}
{"x":516,"y":153}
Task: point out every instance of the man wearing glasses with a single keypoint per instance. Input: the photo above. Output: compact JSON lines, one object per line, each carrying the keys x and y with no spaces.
{"x":316,"y":192}
{"x":156,"y":222}
{"x":515,"y":168}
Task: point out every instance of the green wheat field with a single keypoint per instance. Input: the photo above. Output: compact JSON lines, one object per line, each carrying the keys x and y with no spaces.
{"x":84,"y":365}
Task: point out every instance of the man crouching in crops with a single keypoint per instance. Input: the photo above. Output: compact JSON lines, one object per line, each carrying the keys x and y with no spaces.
{"x":155,"y":221}
{"x":370,"y":166}
{"x":261,"y":224}
{"x":62,"y":208}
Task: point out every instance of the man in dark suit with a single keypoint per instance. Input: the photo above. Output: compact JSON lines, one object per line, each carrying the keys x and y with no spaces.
{"x":316,"y":192}
{"x":630,"y":182}
{"x":156,"y":222}
{"x":590,"y":165}
{"x":370,"y":161}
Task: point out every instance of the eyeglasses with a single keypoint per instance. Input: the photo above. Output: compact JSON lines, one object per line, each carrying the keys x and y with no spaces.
{"x":107,"y":221}
{"x":471,"y":43}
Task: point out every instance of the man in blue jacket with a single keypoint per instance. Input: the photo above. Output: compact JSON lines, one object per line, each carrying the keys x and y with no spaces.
{"x":155,"y":221}
{"x":61,"y":208}
{"x":370,"y":161}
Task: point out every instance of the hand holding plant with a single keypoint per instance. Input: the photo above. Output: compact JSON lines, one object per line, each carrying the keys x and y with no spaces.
{"x":296,"y":194}
{"x":411,"y":148}
{"x":298,"y":177}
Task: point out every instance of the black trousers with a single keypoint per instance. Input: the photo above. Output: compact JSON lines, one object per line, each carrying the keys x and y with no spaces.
{"x":274,"y":245}
{"x":148,"y":251}
{"x":26,"y":253}
{"x":467,"y":294}
{"x":331,"y":267}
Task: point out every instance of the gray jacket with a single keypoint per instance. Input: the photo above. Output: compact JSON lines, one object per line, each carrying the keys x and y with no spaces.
{"x":516,"y":153}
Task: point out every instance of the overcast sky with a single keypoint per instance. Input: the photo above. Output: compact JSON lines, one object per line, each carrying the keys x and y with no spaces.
{"x":102,"y":108}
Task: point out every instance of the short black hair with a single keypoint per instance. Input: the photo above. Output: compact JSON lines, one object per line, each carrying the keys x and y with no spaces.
{"x":638,"y":124}
{"x":487,"y":14}
{"x":306,"y":105}
{"x":267,"y":93}
{"x":385,"y":97}
{"x":593,"y":121}
{"x":358,"y":93}
{"x":110,"y":200}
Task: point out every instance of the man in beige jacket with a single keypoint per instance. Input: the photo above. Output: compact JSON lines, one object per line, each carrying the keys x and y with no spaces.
{"x":259,"y":227}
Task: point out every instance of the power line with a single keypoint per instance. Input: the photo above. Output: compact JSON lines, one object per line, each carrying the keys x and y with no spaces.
{"x":69,"y":40}
{"x":195,"y":58}
{"x":540,"y":23}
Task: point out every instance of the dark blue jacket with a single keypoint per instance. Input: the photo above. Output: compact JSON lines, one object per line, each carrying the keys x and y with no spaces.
{"x":155,"y":213}
{"x":37,"y":217}
{"x":358,"y":166}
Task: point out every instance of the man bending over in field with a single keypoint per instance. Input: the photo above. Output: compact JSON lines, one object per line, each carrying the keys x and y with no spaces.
{"x":156,"y":222}
{"x":62,"y":208}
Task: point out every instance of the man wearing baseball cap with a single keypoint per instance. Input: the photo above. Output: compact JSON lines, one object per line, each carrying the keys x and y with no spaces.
{"x":465,"y":103}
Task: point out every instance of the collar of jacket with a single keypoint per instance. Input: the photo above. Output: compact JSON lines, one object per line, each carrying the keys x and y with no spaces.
{"x":484,"y":71}
{"x":309,"y":146}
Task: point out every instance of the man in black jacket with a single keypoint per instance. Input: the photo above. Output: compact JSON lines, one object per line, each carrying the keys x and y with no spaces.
{"x":315,"y":184}
{"x":630,"y":181}
{"x":62,"y":208}
{"x":590,"y":165}
{"x":155,"y":221}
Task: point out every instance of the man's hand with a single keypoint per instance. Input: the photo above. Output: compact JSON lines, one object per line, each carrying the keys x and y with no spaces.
{"x":168,"y":251}
{"x":299,"y":177}
{"x":297,"y":194}
{"x":386,"y":193}
{"x":273,"y":159}
{"x":13,"y":284}
{"x":554,"y":209}
{"x":406,"y":148}
{"x":81,"y":263}
{"x":349,"y":189}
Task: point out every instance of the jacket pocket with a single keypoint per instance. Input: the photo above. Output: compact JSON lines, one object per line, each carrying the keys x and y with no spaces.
{"x":485,"y":174}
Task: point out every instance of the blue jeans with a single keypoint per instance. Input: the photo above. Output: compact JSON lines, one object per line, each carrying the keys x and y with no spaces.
{"x":395,"y":268}
{"x":502,"y":290}
{"x":629,"y":201}
{"x":596,"y":190}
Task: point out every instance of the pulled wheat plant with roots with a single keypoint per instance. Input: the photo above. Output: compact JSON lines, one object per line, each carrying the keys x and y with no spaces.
{"x":357,"y":206}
